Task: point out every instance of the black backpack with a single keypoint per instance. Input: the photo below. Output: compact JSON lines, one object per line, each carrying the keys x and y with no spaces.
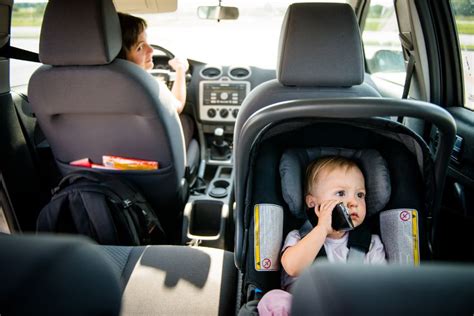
{"x":103,"y":207}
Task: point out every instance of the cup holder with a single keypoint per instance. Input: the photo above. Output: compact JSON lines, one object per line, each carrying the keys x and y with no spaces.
{"x":206,"y":218}
{"x":219,"y":189}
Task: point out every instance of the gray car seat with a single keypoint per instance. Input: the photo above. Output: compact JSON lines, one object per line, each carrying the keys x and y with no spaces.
{"x":320,"y":56}
{"x":89,"y":104}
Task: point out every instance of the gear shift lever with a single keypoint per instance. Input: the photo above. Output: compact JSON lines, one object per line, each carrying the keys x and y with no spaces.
{"x":220,"y":148}
{"x":219,"y":137}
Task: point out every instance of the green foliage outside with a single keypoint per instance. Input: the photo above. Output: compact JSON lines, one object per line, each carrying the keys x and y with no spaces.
{"x":462,"y":7}
{"x":28,"y":14}
{"x":464,"y":25}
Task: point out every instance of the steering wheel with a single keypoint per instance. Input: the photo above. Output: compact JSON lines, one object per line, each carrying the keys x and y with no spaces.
{"x":161,"y":68}
{"x":167,"y":53}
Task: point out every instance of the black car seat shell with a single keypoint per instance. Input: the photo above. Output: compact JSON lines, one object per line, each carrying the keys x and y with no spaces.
{"x":320,"y":55}
{"x":320,"y":98}
{"x":89,"y":104}
{"x":416,"y":177}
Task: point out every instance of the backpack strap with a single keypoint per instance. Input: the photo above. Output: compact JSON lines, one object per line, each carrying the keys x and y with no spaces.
{"x":82,"y":201}
{"x":79,"y":175}
{"x":106,"y":233}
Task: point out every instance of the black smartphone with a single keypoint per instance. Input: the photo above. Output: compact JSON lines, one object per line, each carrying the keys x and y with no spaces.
{"x":341,"y":220}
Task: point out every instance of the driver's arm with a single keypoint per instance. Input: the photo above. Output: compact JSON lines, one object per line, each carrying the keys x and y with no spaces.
{"x":180,"y":66}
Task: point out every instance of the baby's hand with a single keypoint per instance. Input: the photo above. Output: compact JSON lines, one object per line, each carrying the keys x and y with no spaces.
{"x":325,"y":214}
{"x":179,"y":64}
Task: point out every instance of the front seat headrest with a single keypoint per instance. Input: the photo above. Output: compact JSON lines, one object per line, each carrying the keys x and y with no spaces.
{"x":85,"y":32}
{"x":294,"y":162}
{"x":320,"y":45}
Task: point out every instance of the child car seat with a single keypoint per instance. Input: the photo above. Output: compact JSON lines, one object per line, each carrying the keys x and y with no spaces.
{"x":293,"y":164}
{"x":415,"y":173}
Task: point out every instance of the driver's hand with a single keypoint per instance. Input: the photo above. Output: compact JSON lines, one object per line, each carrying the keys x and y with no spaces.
{"x":179,"y":64}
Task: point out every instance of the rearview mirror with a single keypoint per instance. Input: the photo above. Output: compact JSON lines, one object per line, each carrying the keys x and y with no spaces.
{"x":218,"y":13}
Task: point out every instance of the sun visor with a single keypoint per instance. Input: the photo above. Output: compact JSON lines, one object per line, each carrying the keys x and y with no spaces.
{"x":146,"y":6}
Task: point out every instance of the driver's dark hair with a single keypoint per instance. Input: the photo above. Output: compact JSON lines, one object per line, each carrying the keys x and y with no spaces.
{"x":131,"y":27}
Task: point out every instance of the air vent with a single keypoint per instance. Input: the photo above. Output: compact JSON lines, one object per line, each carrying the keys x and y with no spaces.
{"x":239,"y":73}
{"x":211,"y":72}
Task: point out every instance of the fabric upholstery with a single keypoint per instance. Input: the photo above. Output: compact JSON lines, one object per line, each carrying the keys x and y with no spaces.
{"x":156,"y":280}
{"x":96,"y":42}
{"x":293,"y":166}
{"x":115,"y":109}
{"x":320,"y":45}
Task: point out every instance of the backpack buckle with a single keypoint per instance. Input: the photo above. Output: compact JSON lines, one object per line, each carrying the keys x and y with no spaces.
{"x":127,"y":203}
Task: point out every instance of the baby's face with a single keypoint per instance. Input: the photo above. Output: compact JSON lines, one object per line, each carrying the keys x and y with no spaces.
{"x":347,"y":186}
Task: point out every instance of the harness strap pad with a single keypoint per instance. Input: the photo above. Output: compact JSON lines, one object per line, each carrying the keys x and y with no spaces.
{"x":399,"y":233}
{"x":268,"y":220}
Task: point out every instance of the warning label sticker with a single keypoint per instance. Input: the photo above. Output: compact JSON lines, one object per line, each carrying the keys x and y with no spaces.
{"x":268,"y":222}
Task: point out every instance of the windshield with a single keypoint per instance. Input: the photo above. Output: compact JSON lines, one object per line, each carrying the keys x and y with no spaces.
{"x":252,"y":39}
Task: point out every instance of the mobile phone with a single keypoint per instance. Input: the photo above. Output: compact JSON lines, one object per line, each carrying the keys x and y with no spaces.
{"x":341,"y":220}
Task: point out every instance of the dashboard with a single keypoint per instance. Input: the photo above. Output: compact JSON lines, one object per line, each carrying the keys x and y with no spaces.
{"x":219,"y":101}
{"x":214,"y":93}
{"x":221,"y":90}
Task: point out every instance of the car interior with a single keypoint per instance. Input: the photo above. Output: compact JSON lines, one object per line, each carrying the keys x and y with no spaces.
{"x":388,"y":84}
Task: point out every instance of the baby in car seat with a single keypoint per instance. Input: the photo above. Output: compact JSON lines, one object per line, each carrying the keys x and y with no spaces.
{"x":329,"y":181}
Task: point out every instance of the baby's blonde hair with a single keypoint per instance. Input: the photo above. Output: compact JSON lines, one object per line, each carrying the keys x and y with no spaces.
{"x":329,"y":163}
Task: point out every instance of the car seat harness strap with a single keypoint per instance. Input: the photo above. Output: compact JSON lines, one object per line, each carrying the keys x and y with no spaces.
{"x":358,"y":242}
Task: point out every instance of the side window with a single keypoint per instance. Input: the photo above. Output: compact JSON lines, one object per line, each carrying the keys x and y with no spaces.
{"x":383,"y":50}
{"x":463,"y":11}
{"x":25,"y":32}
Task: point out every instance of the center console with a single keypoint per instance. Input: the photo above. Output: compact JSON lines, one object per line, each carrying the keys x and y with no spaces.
{"x":219,"y":104}
{"x":219,"y":101}
{"x":207,"y":219}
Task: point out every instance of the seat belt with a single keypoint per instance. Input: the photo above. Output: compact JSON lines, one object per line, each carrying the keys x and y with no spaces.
{"x":409,"y":49}
{"x":19,"y":54}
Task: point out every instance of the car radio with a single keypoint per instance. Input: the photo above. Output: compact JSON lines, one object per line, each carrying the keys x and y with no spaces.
{"x":219,"y":101}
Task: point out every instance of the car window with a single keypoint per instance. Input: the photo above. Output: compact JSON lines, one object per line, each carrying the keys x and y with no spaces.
{"x":25,"y":31}
{"x":383,"y":50}
{"x":463,"y":11}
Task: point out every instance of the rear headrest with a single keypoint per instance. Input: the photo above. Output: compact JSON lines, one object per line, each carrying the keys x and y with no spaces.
{"x":320,"y":45}
{"x":293,"y":166}
{"x":85,"y":32}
